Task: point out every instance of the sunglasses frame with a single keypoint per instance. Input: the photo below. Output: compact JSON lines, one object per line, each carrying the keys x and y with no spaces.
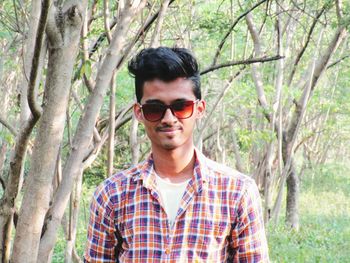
{"x":166,"y":107}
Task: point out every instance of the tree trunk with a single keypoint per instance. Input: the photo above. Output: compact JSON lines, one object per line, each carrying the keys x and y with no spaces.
{"x":292,"y":209}
{"x":62,"y":52}
{"x":319,"y":64}
{"x":74,"y":164}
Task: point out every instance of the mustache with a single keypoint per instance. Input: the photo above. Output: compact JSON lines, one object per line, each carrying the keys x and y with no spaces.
{"x":167,"y":126}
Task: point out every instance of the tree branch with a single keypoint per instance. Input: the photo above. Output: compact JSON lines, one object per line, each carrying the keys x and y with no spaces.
{"x":156,"y":32}
{"x":140,"y":33}
{"x":34,"y":107}
{"x":338,"y":61}
{"x":146,"y":27}
{"x":6,"y":124}
{"x":106,"y":20}
{"x":217,"y":53}
{"x":256,"y":70}
{"x":338,"y":6}
{"x":3,"y":149}
{"x":308,"y":38}
{"x":241,"y":62}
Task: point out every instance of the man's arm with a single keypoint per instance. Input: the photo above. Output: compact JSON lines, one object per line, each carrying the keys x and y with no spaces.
{"x":101,"y":240}
{"x":248,"y":236}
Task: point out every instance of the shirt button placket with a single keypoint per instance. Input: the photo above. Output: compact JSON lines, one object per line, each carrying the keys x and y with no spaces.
{"x":167,"y":249}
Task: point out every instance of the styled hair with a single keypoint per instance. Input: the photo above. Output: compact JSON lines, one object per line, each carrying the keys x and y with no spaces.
{"x":166,"y":64}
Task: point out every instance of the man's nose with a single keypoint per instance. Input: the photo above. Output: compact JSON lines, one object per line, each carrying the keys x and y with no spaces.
{"x":168,"y":117}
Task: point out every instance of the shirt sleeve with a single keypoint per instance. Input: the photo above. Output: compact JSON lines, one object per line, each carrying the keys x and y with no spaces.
{"x":248,"y":236}
{"x":101,"y":240}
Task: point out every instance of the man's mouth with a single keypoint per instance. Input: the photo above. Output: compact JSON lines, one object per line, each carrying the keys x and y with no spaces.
{"x":168,"y":129}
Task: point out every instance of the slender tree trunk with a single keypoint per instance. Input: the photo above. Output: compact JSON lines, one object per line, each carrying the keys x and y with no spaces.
{"x":268,"y":175}
{"x":3,"y":150}
{"x":319,"y":64}
{"x":156,"y":33}
{"x":7,"y":202}
{"x":72,"y":231}
{"x":293,"y":192}
{"x":238,"y":159}
{"x":7,"y":244}
{"x":111,"y":129}
{"x":134,"y":142}
{"x":27,"y":59}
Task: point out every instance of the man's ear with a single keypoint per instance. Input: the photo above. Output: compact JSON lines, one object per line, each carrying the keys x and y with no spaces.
{"x":200,"y":109}
{"x":138,"y":112}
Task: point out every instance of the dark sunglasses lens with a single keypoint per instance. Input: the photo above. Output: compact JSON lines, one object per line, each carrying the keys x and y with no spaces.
{"x":153,"y":112}
{"x":183,"y":110}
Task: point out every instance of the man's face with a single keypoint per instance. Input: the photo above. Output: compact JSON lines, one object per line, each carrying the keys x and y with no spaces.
{"x":169,"y":132}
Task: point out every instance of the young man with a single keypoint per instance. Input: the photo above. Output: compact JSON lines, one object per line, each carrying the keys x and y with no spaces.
{"x":177,"y":205}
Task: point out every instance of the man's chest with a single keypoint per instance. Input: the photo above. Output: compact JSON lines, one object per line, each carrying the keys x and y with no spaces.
{"x":200,"y":229}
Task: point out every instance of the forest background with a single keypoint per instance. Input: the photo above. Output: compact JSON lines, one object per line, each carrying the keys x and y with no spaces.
{"x":275,"y":75}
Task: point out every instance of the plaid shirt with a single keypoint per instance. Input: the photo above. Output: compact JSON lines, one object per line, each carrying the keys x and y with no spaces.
{"x":219,"y":218}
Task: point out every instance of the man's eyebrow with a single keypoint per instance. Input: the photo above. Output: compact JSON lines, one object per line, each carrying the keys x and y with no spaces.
{"x":179,"y":100}
{"x":153,"y":101}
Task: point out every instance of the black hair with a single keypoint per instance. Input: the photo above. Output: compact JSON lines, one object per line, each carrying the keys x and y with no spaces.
{"x":166,"y":64}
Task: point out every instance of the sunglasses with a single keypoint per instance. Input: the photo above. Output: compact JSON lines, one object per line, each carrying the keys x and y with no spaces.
{"x":155,"y":111}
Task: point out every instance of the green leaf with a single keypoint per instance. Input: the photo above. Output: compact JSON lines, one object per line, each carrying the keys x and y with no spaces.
{"x":86,"y":69}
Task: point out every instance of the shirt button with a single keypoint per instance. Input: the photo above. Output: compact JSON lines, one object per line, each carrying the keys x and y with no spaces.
{"x":167,"y":251}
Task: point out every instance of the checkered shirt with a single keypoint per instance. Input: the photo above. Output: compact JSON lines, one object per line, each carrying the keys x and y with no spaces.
{"x":219,"y":218}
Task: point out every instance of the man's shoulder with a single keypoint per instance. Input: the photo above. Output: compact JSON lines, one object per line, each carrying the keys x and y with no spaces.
{"x":223,"y":171}
{"x":121,"y":179}
{"x":131,"y":172}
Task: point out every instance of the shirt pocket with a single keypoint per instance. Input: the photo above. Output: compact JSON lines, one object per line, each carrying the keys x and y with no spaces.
{"x":209,"y":242}
{"x":211,"y":235}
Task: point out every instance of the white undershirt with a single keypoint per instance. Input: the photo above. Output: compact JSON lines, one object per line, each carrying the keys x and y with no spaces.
{"x":171,"y":194}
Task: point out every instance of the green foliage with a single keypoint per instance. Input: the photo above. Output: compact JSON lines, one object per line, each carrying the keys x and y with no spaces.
{"x":125,"y":89}
{"x":214,"y":22}
{"x":7,"y":136}
{"x":246,"y":138}
{"x":60,"y":246}
{"x":95,"y":175}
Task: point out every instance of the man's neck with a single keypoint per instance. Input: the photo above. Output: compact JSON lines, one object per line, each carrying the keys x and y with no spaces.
{"x":174,"y":165}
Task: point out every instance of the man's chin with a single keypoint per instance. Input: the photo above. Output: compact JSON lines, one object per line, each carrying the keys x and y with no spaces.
{"x":170,"y":146}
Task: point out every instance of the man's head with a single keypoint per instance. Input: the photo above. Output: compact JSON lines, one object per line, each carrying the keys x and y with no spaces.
{"x":166,"y":64}
{"x":168,"y":95}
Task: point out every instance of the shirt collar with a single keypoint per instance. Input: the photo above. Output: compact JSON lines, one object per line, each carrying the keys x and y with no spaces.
{"x":147,"y":174}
